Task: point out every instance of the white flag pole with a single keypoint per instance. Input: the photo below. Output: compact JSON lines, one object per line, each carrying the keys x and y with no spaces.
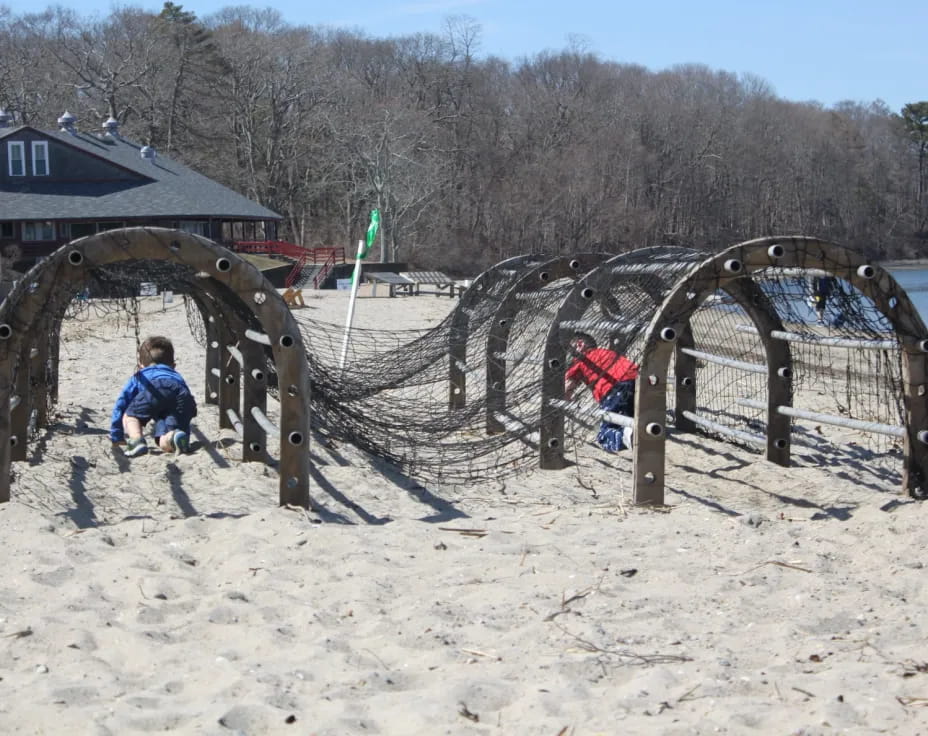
{"x":354,"y":292}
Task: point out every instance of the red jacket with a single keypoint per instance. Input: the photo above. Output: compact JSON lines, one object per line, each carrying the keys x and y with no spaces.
{"x":601,"y":369}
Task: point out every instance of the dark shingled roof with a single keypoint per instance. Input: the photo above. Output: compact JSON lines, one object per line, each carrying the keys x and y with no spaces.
{"x":163,"y":189}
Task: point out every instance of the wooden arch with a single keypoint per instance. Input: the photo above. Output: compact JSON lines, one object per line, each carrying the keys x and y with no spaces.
{"x":492,"y":282}
{"x":497,"y":342}
{"x":628,"y":267}
{"x":222,"y":278}
{"x":739,"y":262}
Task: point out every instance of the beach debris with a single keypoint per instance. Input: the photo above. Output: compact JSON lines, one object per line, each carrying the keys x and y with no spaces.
{"x":19,"y":634}
{"x":629,"y":572}
{"x":578,"y":596}
{"x":441,"y":546}
{"x":465,"y":532}
{"x":753,"y":520}
{"x":469,"y":715}
{"x":41,"y":669}
{"x":906,"y":701}
{"x":912,"y":668}
{"x":623,"y":656}
{"x":478,"y":653}
{"x":778,"y":563}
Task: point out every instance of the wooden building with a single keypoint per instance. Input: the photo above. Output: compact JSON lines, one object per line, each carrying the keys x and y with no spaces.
{"x":56,"y":186}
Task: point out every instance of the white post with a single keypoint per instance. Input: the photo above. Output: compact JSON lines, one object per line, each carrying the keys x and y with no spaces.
{"x":355,"y":278}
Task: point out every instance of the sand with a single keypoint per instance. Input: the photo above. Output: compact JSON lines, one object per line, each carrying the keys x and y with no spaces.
{"x":172,"y":594}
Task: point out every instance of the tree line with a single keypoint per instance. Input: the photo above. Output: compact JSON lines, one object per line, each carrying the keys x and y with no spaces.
{"x":472,"y":159}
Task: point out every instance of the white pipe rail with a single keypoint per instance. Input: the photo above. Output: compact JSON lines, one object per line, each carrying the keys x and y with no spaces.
{"x":270,"y":429}
{"x":520,"y":357}
{"x":517,"y":427}
{"x":258,"y":337}
{"x":755,"y":439}
{"x":794,"y":272}
{"x":599,"y":324}
{"x":236,"y":422}
{"x":579,"y":412}
{"x":824,"y":341}
{"x":836,"y":421}
{"x":728,"y":362}
{"x":660,"y":267}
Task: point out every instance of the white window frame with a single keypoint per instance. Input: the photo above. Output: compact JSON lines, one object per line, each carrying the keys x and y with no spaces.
{"x":16,"y":146}
{"x":40,"y":146}
{"x":30,"y":231}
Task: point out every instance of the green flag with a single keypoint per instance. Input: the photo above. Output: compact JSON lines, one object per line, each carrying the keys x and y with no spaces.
{"x":371,"y":232}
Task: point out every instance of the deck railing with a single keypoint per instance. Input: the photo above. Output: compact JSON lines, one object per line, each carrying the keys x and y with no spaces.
{"x":329,"y":257}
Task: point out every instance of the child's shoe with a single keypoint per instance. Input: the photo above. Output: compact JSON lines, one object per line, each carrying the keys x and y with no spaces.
{"x":628,"y":437}
{"x":181,"y":442}
{"x":137,"y":447}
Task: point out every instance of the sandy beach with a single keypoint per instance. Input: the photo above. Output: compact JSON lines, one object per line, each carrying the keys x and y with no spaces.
{"x":173,"y":594}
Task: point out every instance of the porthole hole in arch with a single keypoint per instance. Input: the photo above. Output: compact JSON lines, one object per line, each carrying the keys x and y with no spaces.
{"x":260,"y":297}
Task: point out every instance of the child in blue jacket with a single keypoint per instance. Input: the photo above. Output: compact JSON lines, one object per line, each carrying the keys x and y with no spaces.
{"x":156,"y":392}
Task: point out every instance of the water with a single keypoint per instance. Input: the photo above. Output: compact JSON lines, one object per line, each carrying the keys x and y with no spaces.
{"x":915,"y":283}
{"x":796,"y":292}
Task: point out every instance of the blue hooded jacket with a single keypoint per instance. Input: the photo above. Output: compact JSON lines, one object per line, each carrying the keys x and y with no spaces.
{"x":134,"y":385}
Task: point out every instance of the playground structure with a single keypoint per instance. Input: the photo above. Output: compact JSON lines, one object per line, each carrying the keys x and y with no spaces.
{"x":726,"y":344}
{"x":248,"y":331}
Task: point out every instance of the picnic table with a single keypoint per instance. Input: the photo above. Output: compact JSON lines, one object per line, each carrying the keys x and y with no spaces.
{"x":443,"y":284}
{"x":395,"y":282}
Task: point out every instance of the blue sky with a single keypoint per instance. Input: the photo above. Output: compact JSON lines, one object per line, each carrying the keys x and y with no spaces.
{"x":821,"y":50}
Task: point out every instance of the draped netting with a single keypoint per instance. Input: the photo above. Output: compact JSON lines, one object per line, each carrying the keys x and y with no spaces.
{"x":389,"y":392}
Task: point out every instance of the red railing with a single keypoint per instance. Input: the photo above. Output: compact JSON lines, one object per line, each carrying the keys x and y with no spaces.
{"x":326,"y":269}
{"x":328,"y":257}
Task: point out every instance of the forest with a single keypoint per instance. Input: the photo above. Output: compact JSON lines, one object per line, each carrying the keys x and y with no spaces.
{"x":471,"y":158}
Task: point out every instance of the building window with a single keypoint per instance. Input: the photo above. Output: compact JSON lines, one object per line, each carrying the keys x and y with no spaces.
{"x":6,"y":230}
{"x":197,"y":227}
{"x":17,"y":156}
{"x":75,"y":230}
{"x":39,"y":158}
{"x":33,"y":231}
